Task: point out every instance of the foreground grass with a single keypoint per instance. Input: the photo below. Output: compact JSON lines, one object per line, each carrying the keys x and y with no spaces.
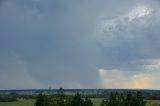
{"x":96,"y":102}
{"x":153,"y":103}
{"x":18,"y":103}
{"x":31,"y":103}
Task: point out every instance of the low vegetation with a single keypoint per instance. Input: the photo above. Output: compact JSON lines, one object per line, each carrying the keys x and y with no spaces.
{"x":115,"y":99}
{"x":61,"y":98}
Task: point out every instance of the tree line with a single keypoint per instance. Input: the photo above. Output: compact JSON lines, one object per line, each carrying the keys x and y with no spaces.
{"x":114,"y":99}
{"x":119,"y":99}
{"x":60,"y":100}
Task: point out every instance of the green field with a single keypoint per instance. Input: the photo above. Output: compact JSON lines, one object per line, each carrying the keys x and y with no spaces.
{"x":95,"y":101}
{"x":31,"y":103}
{"x":153,"y":103}
{"x":18,"y":103}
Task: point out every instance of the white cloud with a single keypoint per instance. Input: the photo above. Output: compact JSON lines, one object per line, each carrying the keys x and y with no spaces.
{"x":127,"y":26}
{"x":139,"y":12}
{"x":154,"y":65}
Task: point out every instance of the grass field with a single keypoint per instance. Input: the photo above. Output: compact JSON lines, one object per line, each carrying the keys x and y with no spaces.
{"x":153,"y":103}
{"x":95,"y":101}
{"x":18,"y":103}
{"x":31,"y":103}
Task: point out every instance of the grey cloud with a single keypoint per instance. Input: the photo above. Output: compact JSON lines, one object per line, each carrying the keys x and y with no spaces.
{"x":61,"y":45}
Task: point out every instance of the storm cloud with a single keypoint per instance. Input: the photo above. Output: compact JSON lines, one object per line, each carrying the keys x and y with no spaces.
{"x":79,"y":44}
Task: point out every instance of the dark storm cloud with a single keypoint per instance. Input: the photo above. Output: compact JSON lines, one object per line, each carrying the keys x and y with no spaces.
{"x":64,"y":43}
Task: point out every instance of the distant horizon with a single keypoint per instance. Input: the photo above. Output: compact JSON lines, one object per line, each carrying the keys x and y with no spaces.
{"x":75,"y":89}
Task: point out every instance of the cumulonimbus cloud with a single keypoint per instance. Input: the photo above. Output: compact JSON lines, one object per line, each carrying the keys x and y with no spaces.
{"x":63,"y":43}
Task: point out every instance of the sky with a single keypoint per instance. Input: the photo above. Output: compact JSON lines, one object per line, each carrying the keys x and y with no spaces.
{"x":79,"y":44}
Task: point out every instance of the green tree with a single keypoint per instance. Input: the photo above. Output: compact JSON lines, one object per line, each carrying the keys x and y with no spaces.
{"x":118,"y":99}
{"x":77,"y":100}
{"x":104,"y":103}
{"x":60,"y":93}
{"x":140,"y":101}
{"x":129,"y":99}
{"x":59,"y":99}
{"x":87,"y":102}
{"x":56,"y":102}
{"x":121,"y":99}
{"x":41,"y":100}
{"x":112,"y":99}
